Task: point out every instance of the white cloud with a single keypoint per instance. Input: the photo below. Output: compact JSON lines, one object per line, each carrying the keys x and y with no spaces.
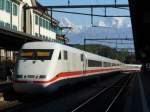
{"x":101,"y":23}
{"x":129,"y":25}
{"x":120,"y":21}
{"x":65,"y":22}
{"x":116,"y":22}
{"x":108,"y":27}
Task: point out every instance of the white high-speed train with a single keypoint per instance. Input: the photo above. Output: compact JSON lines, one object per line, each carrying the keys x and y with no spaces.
{"x":46,"y":66}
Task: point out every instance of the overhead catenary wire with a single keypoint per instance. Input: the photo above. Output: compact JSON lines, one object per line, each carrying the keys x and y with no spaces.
{"x":87,"y":14}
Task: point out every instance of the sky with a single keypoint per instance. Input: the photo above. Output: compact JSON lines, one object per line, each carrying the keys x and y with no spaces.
{"x":86,"y":19}
{"x":118,"y":26}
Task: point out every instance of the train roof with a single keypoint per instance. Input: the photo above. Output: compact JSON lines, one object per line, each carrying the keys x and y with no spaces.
{"x":133,"y":65}
{"x":50,"y":45}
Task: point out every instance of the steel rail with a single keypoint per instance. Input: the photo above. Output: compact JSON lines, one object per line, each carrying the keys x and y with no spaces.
{"x":93,"y":97}
{"x":118,"y":94}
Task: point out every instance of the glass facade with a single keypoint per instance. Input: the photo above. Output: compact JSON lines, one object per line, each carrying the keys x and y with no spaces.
{"x":46,"y":24}
{"x":7,"y":25}
{"x":7,"y":6}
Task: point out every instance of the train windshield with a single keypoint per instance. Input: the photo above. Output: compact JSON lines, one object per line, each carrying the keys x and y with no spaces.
{"x":34,"y":54}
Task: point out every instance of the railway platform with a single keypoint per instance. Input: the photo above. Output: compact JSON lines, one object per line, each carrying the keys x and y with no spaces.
{"x":138,"y":98}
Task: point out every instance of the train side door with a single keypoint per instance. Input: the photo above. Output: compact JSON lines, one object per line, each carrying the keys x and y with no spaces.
{"x":66,"y":64}
{"x":84,"y":64}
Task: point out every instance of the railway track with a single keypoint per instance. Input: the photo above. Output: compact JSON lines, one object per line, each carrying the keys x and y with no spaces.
{"x":61,"y":99}
{"x":104,"y":100}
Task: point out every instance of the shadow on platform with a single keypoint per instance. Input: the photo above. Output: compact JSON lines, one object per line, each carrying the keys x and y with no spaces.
{"x":138,"y":98}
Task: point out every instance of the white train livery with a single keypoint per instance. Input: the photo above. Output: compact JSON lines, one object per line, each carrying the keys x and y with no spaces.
{"x":46,"y":66}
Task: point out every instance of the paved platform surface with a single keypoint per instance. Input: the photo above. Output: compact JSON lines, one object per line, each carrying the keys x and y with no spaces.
{"x":138,"y":97}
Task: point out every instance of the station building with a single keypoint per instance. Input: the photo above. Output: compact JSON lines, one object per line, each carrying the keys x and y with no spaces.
{"x":37,"y":22}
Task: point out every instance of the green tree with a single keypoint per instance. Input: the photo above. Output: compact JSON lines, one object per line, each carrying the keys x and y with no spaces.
{"x":105,"y":51}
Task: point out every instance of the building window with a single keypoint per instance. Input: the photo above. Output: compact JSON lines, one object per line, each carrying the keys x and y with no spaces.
{"x":43,"y":37}
{"x":44,"y":23}
{"x":8,"y":6}
{"x":2,"y":24}
{"x":36,"y":20}
{"x":2,"y":4}
{"x":46,"y":38}
{"x":15,"y":9}
{"x":47,"y":25}
{"x":40,"y":20}
{"x":50,"y":39}
{"x":14,"y":27}
{"x":58,"y":30}
{"x":7,"y":25}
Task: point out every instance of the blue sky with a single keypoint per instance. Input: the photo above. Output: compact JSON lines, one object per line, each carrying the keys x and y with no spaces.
{"x":64,"y":2}
{"x":75,"y":18}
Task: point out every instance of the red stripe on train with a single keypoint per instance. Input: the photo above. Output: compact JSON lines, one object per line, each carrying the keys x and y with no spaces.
{"x":66,"y":74}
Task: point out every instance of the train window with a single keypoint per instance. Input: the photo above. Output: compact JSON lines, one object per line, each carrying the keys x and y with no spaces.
{"x":107,"y":64}
{"x":34,"y":54}
{"x":113,"y":64}
{"x":104,"y":64}
{"x":42,"y":53}
{"x":59,"y":58}
{"x":100,"y":64}
{"x":26,"y":54}
{"x":93,"y":63}
{"x":65,"y":55}
{"x":81,"y":57}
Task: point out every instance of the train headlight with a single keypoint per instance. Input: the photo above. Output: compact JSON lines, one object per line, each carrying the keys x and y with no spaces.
{"x":25,"y":76}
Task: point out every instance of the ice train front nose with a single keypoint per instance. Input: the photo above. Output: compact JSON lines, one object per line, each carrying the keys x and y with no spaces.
{"x":33,"y":71}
